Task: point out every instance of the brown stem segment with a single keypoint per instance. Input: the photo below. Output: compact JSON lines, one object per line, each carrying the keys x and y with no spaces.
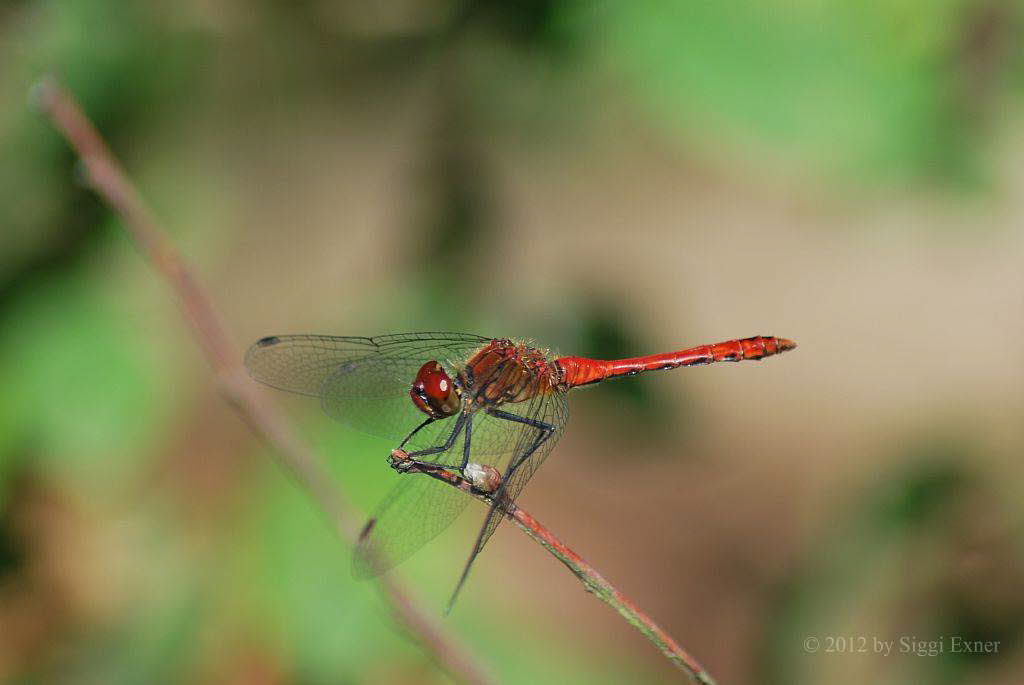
{"x":106,"y":177}
{"x":591,"y":578}
{"x":579,"y":371}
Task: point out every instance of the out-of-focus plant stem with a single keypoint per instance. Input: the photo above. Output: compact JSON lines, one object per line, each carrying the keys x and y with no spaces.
{"x":104,"y":174}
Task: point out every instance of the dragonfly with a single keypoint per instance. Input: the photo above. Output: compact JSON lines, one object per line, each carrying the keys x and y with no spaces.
{"x":490,"y":409}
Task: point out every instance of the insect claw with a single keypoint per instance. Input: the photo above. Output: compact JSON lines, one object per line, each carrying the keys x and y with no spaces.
{"x":400,"y":461}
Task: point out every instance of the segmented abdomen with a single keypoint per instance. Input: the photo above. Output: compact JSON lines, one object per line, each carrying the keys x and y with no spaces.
{"x":578,"y":371}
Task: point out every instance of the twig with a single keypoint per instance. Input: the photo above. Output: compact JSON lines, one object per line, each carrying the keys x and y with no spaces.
{"x":107,"y":178}
{"x":592,"y":580}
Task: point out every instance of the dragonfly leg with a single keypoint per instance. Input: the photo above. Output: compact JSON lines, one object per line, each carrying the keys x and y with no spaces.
{"x":466,"y":445}
{"x":544,"y":431}
{"x":416,"y":430}
{"x":460,"y":423}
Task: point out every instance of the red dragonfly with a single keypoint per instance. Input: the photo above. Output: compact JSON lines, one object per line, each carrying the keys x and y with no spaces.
{"x":467,"y":403}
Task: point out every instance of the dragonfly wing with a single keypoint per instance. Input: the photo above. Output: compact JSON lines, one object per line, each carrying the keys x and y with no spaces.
{"x":415,"y":512}
{"x":550,"y":410}
{"x":363,"y":382}
{"x":373,"y":396}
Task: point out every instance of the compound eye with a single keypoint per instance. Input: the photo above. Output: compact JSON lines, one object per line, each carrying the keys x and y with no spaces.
{"x":433,"y":391}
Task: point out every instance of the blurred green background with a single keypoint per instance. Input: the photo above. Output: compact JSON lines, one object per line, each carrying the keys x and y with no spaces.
{"x":606,"y":178}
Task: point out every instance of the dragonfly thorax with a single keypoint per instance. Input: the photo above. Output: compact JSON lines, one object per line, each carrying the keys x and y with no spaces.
{"x":507,"y":372}
{"x":434,"y":393}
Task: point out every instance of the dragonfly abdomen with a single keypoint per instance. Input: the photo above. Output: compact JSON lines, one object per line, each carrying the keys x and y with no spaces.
{"x":577,"y":371}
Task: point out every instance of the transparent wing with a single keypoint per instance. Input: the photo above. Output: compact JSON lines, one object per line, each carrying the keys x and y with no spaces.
{"x":552,"y":410}
{"x":420,"y":507}
{"x":544,"y":418}
{"x":363,"y":382}
{"x":415,"y":512}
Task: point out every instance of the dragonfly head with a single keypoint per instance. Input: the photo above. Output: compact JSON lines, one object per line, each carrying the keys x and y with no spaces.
{"x":434,"y":393}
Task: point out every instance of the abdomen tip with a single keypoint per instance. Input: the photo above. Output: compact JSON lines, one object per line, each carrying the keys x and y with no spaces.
{"x":785,"y":345}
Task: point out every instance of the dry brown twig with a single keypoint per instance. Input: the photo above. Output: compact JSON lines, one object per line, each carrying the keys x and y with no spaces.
{"x":591,"y":578}
{"x":106,"y":177}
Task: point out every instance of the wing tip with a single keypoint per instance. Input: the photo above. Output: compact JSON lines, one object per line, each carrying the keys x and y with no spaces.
{"x":367,"y":529}
{"x":363,"y":570}
{"x":268,"y":341}
{"x":365,"y":562}
{"x":253,"y":358}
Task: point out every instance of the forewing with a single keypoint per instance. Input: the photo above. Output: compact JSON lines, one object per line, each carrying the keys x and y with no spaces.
{"x":363,"y":382}
{"x":415,"y":512}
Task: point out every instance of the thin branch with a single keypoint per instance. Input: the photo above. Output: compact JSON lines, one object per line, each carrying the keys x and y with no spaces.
{"x":591,"y":578}
{"x":108,"y":179}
